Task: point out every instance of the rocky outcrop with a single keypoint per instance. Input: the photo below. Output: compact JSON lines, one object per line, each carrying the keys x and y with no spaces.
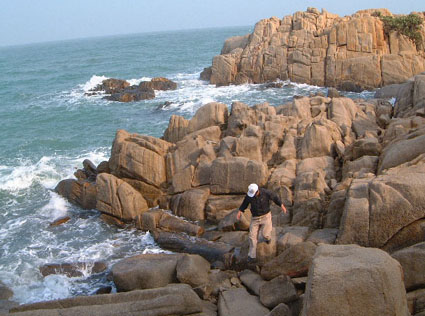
{"x":351,"y":280}
{"x":122,"y":91}
{"x":320,"y":48}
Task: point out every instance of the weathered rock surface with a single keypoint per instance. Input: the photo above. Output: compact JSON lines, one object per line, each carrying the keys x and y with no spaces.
{"x":294,"y":262}
{"x":117,"y":198}
{"x":237,"y":302}
{"x":320,"y":48}
{"x":145,"y":271}
{"x":351,"y":280}
{"x":175,"y":299}
{"x":412,"y":262}
{"x":193,"y":270}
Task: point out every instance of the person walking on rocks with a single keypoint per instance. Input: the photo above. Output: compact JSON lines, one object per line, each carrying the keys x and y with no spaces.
{"x":261,"y":221}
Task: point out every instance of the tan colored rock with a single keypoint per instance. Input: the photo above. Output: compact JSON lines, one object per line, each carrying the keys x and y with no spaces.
{"x":193,"y":270}
{"x":218,"y":206}
{"x":378,"y":209}
{"x":236,"y":174}
{"x":191,"y":204}
{"x":403,"y":150}
{"x":177,"y":129}
{"x":117,"y":198}
{"x":211,"y":114}
{"x":175,"y":299}
{"x":145,"y":271}
{"x":139,"y":157}
{"x":149,"y":192}
{"x":294,"y":262}
{"x":78,"y":192}
{"x":348,"y":280}
{"x":238,"y":302}
{"x":412,"y":261}
{"x":351,"y":52}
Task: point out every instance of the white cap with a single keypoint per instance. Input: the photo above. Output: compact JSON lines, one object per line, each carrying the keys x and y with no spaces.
{"x":252,"y":189}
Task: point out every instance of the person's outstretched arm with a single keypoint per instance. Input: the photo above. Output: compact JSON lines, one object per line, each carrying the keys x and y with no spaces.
{"x":243,"y":207}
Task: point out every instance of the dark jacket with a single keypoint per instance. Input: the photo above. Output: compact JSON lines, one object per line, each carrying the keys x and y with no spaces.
{"x":260,"y":205}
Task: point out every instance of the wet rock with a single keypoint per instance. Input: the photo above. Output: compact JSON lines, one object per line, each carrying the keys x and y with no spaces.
{"x":112,"y":85}
{"x":159,"y":83}
{"x":78,"y":192}
{"x":60,"y":221}
{"x":132,"y":94}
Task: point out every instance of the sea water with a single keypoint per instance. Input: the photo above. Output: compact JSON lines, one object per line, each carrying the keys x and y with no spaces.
{"x":48,"y":126}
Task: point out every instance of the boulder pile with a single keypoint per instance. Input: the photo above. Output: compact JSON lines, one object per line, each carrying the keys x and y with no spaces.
{"x":320,"y":48}
{"x":122,"y":91}
{"x":349,"y":171}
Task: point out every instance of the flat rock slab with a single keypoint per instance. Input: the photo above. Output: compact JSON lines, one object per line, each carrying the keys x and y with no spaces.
{"x":238,"y":302}
{"x":176,"y":299}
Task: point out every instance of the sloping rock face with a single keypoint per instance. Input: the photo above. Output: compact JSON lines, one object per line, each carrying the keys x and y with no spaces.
{"x":320,"y":48}
{"x":351,"y":280}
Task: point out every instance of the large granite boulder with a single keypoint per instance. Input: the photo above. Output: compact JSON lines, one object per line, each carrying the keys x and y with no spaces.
{"x":119,"y":199}
{"x":351,"y":53}
{"x":139,"y":157}
{"x":351,"y":280}
{"x":145,"y":271}
{"x":191,"y":203}
{"x":276,"y":291}
{"x":234,"y":175}
{"x":132,"y":94}
{"x":377,"y":210}
{"x":193,"y":270}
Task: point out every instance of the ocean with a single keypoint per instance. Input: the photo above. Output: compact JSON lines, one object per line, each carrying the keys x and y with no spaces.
{"x":48,"y":126}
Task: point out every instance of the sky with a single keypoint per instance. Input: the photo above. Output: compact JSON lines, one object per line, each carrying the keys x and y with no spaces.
{"x":30,"y":21}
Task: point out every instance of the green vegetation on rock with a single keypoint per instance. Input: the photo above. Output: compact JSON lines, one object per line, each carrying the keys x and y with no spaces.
{"x":408,"y":25}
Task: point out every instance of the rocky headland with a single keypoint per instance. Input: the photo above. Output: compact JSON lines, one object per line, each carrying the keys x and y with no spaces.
{"x":358,"y":52}
{"x":351,"y":173}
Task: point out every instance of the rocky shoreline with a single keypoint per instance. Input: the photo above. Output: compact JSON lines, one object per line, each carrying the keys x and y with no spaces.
{"x":354,"y":53}
{"x":351,"y":173}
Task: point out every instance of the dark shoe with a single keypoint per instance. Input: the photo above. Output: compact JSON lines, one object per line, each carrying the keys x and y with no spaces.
{"x":268,"y":241}
{"x":251,"y":260}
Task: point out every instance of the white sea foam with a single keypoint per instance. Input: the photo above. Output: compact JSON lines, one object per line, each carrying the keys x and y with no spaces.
{"x":57,"y":206}
{"x":93,"y":82}
{"x":133,"y":82}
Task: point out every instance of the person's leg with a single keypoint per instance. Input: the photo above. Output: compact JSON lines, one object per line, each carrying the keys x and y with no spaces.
{"x":253,"y":235}
{"x":266,"y":227}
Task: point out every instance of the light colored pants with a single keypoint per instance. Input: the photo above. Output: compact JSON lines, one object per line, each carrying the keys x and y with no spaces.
{"x":261,"y":225}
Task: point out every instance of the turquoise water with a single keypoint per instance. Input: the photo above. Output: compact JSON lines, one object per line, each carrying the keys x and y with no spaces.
{"x":48,"y":127}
